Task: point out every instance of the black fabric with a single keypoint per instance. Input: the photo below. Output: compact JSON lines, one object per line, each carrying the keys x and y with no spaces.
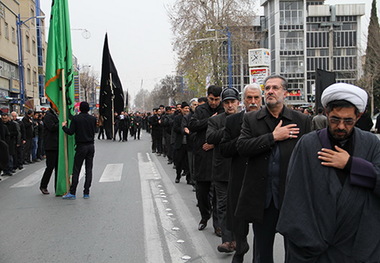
{"x":51,"y":124}
{"x":83,"y":126}
{"x":256,"y":143}
{"x":83,"y":153}
{"x":324,"y":221}
{"x":51,"y":164}
{"x":198,"y":123}
{"x":108,"y":92}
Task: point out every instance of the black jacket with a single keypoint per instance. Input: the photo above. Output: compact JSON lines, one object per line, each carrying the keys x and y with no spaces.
{"x":83,"y":126}
{"x":198,"y":123}
{"x":51,"y":125}
{"x":220,"y":165}
{"x":28,"y":125}
{"x":256,"y":142}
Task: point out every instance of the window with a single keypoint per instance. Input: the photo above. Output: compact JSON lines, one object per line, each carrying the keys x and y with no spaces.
{"x":6,"y":30}
{"x":29,"y":75}
{"x":13,"y":35}
{"x":35,"y":77}
{"x":34,"y":47}
{"x":27,"y":43}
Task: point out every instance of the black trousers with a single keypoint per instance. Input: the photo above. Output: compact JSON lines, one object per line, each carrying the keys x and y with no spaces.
{"x":101,"y":132}
{"x":137,"y":132}
{"x":27,"y":149}
{"x":264,"y":234}
{"x":84,"y":152}
{"x":51,"y":164}
{"x":221,"y":209}
{"x":181,"y":161}
{"x":207,"y":201}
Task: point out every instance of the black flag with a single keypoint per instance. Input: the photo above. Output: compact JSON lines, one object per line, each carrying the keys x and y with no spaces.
{"x":323,"y":79}
{"x":109,"y":95}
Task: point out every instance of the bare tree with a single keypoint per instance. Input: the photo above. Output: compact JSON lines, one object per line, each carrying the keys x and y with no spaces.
{"x":197,"y":48}
{"x":89,"y":80}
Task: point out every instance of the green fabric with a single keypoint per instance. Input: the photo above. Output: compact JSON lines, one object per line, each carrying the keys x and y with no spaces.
{"x":59,"y":60}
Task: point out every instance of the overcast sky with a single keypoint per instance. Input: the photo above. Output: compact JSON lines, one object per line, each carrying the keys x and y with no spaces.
{"x":139,"y":37}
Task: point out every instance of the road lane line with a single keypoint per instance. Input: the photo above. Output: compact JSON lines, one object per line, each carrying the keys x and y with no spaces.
{"x":30,"y":180}
{"x":112,"y":173}
{"x":152,"y":240}
{"x":189,"y":223}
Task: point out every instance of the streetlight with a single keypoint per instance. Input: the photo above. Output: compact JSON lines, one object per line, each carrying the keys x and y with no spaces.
{"x":226,"y":32}
{"x":19,"y":23}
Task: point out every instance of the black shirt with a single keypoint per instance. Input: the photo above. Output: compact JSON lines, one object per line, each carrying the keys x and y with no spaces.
{"x":83,"y":126}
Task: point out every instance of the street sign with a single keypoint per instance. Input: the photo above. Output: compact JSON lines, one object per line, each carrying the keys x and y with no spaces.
{"x":258,"y":75}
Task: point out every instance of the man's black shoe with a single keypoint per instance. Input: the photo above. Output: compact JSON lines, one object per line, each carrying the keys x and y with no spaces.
{"x":176,"y":180}
{"x":44,"y":191}
{"x":202,"y":224}
{"x":218,"y":231}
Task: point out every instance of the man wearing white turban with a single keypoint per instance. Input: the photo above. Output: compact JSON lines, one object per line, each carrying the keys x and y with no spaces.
{"x":331,"y":208}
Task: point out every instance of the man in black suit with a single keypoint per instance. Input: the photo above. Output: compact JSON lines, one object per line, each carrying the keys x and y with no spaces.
{"x":252,"y":100}
{"x":83,"y":126}
{"x":267,"y":138}
{"x":180,"y":144}
{"x":51,"y":125}
{"x":203,"y":152}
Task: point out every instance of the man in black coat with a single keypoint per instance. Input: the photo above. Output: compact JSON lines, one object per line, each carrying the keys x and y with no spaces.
{"x":221,"y":165}
{"x":27,"y":120}
{"x":83,"y":126}
{"x":138,"y":124}
{"x":252,"y":100}
{"x":203,"y":152}
{"x":267,"y":138}
{"x":156,"y":123}
{"x":180,"y":144}
{"x":51,"y":125}
{"x":18,"y":163}
{"x":11,"y":139}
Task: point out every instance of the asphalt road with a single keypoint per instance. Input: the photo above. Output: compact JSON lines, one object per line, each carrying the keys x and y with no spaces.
{"x":136,"y":213}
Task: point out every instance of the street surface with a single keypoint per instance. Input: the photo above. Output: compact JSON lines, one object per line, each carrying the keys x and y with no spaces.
{"x":136,"y":214}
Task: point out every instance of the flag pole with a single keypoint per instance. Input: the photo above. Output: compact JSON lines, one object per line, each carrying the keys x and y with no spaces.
{"x":64,"y":134}
{"x":113,"y":108}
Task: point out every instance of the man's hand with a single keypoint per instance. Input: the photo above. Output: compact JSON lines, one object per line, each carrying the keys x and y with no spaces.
{"x":289,"y":131}
{"x":186,"y":130}
{"x":206,"y":147}
{"x":64,"y":123}
{"x":332,"y":158}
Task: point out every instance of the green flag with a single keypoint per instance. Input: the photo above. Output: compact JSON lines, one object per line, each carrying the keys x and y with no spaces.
{"x":59,"y":86}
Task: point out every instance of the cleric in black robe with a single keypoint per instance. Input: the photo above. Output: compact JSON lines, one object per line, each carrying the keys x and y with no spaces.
{"x":331,"y":208}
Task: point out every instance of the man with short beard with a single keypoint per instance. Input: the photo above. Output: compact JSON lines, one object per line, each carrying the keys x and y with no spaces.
{"x":267,"y":139}
{"x":330,"y":211}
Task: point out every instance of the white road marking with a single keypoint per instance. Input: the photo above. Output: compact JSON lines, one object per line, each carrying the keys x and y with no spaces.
{"x":188,"y":222}
{"x":30,"y":180}
{"x":112,"y":173}
{"x":155,"y":214}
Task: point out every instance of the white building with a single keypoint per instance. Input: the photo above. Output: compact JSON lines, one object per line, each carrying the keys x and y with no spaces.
{"x":306,"y":35}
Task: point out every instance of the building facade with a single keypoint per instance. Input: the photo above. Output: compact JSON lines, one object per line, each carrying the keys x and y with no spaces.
{"x":20,"y":70}
{"x":307,"y":35}
{"x":242,"y":39}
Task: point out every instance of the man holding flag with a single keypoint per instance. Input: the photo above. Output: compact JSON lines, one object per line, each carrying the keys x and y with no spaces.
{"x":59,"y":86}
{"x":83,"y":126}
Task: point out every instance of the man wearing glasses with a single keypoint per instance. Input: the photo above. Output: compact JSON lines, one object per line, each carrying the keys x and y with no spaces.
{"x":331,"y":208}
{"x":267,"y":139}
